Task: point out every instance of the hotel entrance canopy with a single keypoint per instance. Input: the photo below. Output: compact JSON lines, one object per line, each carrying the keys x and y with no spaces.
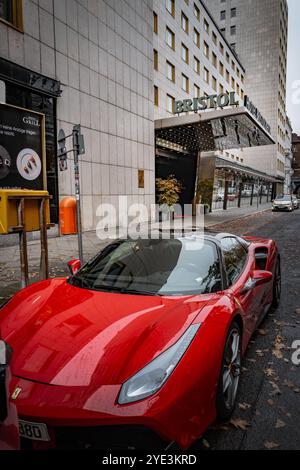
{"x":212,"y":130}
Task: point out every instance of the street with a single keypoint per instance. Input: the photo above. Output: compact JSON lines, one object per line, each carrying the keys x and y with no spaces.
{"x":268,"y":411}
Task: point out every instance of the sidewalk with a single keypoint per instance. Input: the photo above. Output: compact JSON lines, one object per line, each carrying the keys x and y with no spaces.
{"x":62,"y":249}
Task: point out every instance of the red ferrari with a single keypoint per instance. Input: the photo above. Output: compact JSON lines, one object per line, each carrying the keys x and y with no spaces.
{"x":141,"y":346}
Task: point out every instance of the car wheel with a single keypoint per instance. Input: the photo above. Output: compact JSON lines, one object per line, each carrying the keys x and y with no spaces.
{"x":230,"y":373}
{"x":277,"y":285}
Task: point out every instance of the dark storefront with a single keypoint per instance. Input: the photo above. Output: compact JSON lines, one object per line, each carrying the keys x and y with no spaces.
{"x":30,"y":90}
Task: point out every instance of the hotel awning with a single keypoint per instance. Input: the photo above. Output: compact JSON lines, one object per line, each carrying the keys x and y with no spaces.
{"x":212,"y":130}
{"x":244,"y":171}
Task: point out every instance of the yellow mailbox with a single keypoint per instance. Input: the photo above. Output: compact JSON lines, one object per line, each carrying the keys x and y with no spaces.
{"x":9,"y":200}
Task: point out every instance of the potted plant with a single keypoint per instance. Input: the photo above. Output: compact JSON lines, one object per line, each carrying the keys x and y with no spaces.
{"x":168,"y":194}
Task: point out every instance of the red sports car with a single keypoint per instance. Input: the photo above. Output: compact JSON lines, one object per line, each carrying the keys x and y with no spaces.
{"x":9,"y":428}
{"x":142,"y":345}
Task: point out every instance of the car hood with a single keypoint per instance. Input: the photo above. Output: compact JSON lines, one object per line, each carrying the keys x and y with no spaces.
{"x":67,"y":336}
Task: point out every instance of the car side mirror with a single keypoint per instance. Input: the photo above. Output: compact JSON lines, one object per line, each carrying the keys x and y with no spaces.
{"x":5,"y":355}
{"x":74,"y":266}
{"x":258,"y":278}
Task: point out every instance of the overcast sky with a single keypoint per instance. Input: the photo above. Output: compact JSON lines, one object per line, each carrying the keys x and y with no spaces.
{"x":293,"y":78}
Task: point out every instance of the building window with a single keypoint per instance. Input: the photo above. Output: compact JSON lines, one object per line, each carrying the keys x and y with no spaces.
{"x":170,"y":72}
{"x":238,"y":72}
{"x":238,"y":88}
{"x":233,"y":12}
{"x":196,"y":37}
{"x":221,"y":88}
{"x":233,"y":30}
{"x":221,"y":47}
{"x":196,"y":91}
{"x":227,"y":76}
{"x":156,"y":96}
{"x":197,"y":65}
{"x":242,"y":78}
{"x":184,"y":23}
{"x":185,"y":83}
{"x":214,"y":59}
{"x":221,"y":69}
{"x":170,"y":104}
{"x":242,"y":94}
{"x":206,"y":75}
{"x":206,"y":50}
{"x":170,"y":38}
{"x":214,"y":37}
{"x":214,"y":83}
{"x":155,"y":23}
{"x":11,"y":12}
{"x":233,"y":65}
{"x":227,"y":57}
{"x":206,"y":26}
{"x":155,"y":59}
{"x":196,"y":12}
{"x":184,"y":53}
{"x":232,"y":83}
{"x":223,"y":15}
{"x":170,"y":6}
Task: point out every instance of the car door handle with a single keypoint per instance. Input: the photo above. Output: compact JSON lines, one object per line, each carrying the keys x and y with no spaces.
{"x":250,"y":284}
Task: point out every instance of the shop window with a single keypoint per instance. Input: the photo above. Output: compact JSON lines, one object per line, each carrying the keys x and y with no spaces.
{"x":170,"y":104}
{"x":170,"y":6}
{"x":155,"y":23}
{"x":185,"y":83}
{"x":155,"y":59}
{"x":11,"y":12}
{"x":156,"y":96}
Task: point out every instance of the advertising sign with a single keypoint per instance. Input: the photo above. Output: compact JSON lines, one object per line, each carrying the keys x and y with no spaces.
{"x":22,"y":153}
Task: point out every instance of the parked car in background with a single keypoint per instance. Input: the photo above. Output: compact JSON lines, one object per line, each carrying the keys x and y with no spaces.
{"x":295,"y":201}
{"x":9,"y":427}
{"x":283,"y":203}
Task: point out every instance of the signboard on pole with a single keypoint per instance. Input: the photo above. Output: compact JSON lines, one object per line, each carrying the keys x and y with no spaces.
{"x":22,"y":149}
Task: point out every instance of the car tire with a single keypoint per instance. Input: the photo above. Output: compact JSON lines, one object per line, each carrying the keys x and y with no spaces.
{"x":277,"y":285}
{"x":230,"y":373}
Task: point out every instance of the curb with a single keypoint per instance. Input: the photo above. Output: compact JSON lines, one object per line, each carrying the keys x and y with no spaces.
{"x":237,"y":218}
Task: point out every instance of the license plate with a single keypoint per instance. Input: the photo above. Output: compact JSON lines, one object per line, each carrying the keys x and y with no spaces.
{"x":33,"y":431}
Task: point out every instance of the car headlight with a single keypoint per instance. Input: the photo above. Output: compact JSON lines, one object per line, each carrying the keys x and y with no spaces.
{"x":152,"y":377}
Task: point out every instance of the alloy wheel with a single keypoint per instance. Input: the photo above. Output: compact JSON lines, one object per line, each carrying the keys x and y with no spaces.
{"x":231,"y":368}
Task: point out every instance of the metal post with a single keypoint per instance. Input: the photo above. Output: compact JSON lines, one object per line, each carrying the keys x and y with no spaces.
{"x":44,"y":264}
{"x":260,"y":193}
{"x":225,"y":195}
{"x":77,"y":192}
{"x":23,"y":244}
{"x":252,"y":194}
{"x":240,"y":194}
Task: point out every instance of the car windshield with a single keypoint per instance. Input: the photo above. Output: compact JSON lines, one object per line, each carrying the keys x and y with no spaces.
{"x":153,"y":267}
{"x":283,"y":198}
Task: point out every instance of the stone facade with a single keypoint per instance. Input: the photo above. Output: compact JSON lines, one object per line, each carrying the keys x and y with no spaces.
{"x":101,"y":52}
